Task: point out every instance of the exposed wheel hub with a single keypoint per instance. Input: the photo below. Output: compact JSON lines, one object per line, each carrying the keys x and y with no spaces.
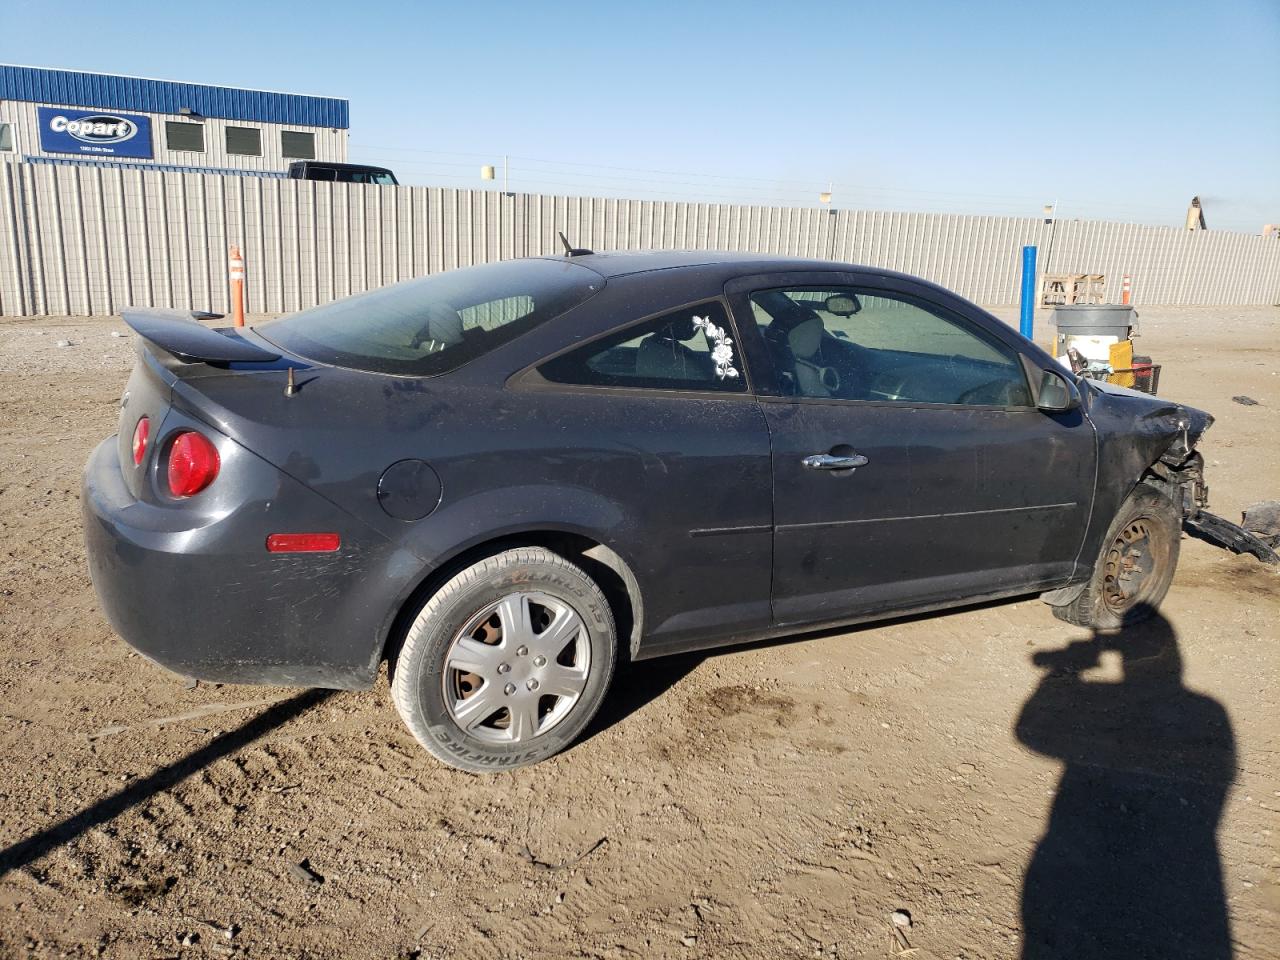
{"x":1128,"y":566}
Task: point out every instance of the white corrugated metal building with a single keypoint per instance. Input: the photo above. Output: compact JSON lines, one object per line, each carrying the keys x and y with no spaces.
{"x":68,"y":116}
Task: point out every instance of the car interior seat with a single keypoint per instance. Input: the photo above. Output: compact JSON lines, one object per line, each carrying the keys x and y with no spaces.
{"x":664,"y":355}
{"x":805,"y":340}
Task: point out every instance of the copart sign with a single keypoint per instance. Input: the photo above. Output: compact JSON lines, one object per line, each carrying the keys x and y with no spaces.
{"x":97,"y":132}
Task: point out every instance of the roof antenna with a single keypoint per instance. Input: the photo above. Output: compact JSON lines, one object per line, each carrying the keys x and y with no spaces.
{"x":290,"y":388}
{"x":569,"y":249}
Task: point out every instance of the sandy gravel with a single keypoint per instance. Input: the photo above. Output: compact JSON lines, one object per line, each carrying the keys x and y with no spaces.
{"x":779,"y":800}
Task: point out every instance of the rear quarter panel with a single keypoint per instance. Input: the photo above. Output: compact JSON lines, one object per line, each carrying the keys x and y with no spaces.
{"x":678,"y":486}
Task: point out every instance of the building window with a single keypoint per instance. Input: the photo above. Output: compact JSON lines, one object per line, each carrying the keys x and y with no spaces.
{"x":298,"y":146}
{"x":6,"y":137}
{"x":184,"y":136}
{"x":245,"y":141}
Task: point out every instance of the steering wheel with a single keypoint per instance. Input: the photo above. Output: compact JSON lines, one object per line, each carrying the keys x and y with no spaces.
{"x":890,"y":385}
{"x":994,"y":391}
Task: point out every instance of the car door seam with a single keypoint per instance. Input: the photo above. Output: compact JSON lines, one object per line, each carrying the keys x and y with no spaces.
{"x":1093,"y":497}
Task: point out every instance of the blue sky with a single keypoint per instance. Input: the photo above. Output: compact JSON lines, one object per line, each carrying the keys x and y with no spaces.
{"x":1119,"y":110}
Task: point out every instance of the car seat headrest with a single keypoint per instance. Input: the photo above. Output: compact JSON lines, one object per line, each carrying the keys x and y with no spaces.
{"x":805,"y":338}
{"x":681,"y":329}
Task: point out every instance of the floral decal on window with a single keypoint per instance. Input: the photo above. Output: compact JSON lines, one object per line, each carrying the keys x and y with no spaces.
{"x":722,"y":352}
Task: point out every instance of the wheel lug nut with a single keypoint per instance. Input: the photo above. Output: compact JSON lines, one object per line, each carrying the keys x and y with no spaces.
{"x":504,"y":667}
{"x":533,"y":684}
{"x":539,"y":661}
{"x":522,"y":651}
{"x":509,"y":689}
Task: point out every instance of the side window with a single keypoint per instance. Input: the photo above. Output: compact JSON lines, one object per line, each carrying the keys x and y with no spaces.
{"x":689,"y":349}
{"x":851,"y":344}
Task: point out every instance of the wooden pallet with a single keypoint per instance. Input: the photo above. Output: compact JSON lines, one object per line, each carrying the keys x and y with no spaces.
{"x":1057,"y":289}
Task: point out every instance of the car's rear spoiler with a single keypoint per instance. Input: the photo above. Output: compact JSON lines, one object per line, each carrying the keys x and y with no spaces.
{"x":180,"y":333}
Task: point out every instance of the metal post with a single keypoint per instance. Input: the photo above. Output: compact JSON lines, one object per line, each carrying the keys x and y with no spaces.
{"x":1027,"y":322}
{"x":1053,"y":232}
{"x":235,"y":264}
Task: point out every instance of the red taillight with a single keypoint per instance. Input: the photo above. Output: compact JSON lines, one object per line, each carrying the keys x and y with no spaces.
{"x":140,"y":434}
{"x":193,"y":463}
{"x":303,"y":542}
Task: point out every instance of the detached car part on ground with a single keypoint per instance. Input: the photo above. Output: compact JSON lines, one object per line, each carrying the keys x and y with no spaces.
{"x":506,"y":480}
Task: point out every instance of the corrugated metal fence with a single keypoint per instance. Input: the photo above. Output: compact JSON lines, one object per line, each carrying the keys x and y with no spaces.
{"x":87,"y":241}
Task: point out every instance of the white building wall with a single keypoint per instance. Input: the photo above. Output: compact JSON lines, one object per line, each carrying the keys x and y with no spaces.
{"x":331,"y":143}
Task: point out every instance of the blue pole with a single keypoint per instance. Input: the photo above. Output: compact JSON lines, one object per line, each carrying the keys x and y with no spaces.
{"x":1027,"y":322}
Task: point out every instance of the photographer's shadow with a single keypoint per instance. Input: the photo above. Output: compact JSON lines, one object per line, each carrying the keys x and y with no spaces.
{"x":1128,"y":866}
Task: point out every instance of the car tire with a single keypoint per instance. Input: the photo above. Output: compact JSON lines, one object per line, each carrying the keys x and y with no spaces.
{"x":507,"y":662}
{"x":1135,"y":566}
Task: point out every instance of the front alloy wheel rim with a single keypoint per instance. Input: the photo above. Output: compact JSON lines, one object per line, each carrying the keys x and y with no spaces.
{"x":1128,"y":566}
{"x":517,"y":668}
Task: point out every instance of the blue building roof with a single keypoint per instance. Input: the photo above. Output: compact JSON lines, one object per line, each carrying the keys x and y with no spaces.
{"x":112,"y":92}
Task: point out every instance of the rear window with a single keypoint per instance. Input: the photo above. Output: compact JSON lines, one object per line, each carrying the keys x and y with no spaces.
{"x":435,"y":324}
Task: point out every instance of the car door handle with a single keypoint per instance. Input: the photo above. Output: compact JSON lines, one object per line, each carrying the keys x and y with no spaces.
{"x":825,"y":461}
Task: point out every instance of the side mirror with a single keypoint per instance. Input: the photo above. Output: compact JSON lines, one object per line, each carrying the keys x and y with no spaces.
{"x":1057,"y":394}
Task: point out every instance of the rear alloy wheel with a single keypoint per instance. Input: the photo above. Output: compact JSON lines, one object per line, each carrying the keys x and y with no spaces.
{"x":1135,"y":567}
{"x":507,"y":663}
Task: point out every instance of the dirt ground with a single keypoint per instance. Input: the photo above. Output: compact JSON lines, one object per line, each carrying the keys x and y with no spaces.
{"x":780,"y":800}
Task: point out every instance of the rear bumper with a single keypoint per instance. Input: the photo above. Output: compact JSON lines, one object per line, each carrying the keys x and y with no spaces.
{"x":200,"y":595}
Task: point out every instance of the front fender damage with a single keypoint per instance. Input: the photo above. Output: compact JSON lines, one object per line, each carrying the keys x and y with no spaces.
{"x":1146,"y":439}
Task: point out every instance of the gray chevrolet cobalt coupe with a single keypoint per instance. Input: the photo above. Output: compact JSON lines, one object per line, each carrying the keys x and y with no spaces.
{"x":509,"y":479}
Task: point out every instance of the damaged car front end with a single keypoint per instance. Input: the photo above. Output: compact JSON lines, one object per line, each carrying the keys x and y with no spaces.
{"x":1150,"y":487}
{"x":1153,"y":440}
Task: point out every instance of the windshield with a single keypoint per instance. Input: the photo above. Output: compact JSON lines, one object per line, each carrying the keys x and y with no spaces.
{"x":435,"y":324}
